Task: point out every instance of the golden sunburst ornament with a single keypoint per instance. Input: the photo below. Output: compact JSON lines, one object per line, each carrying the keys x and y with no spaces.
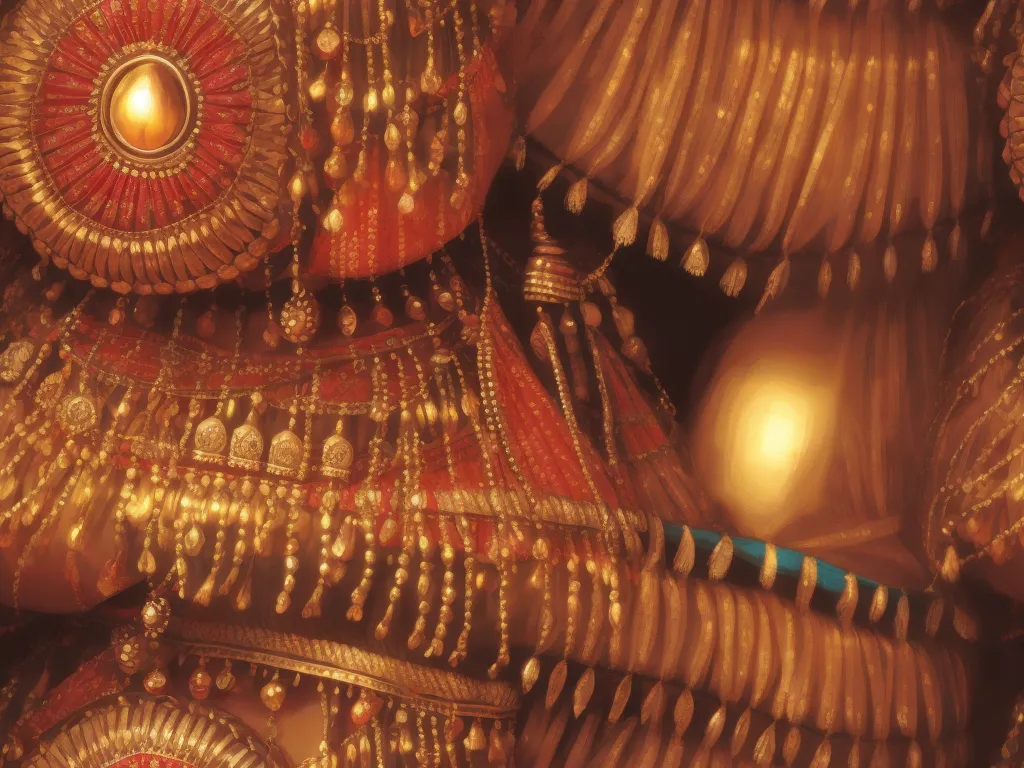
{"x":169,"y":732}
{"x":141,"y":144}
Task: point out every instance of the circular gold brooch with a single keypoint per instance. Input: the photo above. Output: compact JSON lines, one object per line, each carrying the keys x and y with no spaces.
{"x":139,"y":730}
{"x":142,"y":142}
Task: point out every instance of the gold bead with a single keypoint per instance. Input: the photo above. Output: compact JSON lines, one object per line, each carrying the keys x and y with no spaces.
{"x":272,"y":695}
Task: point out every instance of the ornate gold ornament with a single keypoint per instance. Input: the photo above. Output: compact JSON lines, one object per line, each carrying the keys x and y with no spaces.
{"x":285,"y":455}
{"x":338,"y":455}
{"x":142,"y":145}
{"x":14,"y":359}
{"x":211,"y":440}
{"x":145,"y":727}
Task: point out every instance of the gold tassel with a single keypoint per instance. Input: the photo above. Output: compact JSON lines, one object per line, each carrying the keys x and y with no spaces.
{"x":770,"y":566}
{"x":530,"y":673}
{"x":740,"y":733}
{"x":734,"y":279}
{"x":957,"y":245}
{"x":656,"y":543}
{"x":576,"y":197}
{"x":721,"y":559}
{"x":929,"y":255}
{"x":808,"y":581}
{"x":824,"y":278}
{"x":791,"y":745}
{"x":853,"y":761}
{"x":205,"y":592}
{"x":950,"y":566}
{"x":556,"y":681}
{"x":549,"y":177}
{"x":822,"y":755}
{"x":764,"y":750}
{"x":519,"y":153}
{"x":986,"y":224}
{"x":890,"y":261}
{"x":244,"y":597}
{"x":713,"y":730}
{"x":697,"y":258}
{"x":776,"y":284}
{"x":657,"y":241}
{"x":902,"y":620}
{"x":625,"y":227}
{"x":583,"y":691}
{"x":879,"y":602}
{"x":848,"y":600}
{"x":853,"y":271}
{"x":312,"y":609}
{"x":654,"y":704}
{"x":914,"y":757}
{"x":964,"y":623}
{"x":620,"y":699}
{"x":933,"y":619}
{"x":686,"y":555}
{"x":682,"y":713}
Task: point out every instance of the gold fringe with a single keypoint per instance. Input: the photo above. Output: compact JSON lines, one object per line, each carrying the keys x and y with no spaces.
{"x":583,"y":691}
{"x":530,"y":673}
{"x":621,"y":698}
{"x":682,"y":713}
{"x":848,"y":600}
{"x":740,"y":733}
{"x":902,"y":620}
{"x":764,"y":749}
{"x":776,"y":284}
{"x":519,"y":153}
{"x":808,"y":581}
{"x":576,"y":197}
{"x":713,"y":730}
{"x":950,"y":566}
{"x":770,"y":566}
{"x":824,"y":278}
{"x":548,"y":178}
{"x":890,"y":261}
{"x":697,"y":258}
{"x":656,"y":543}
{"x":879,"y":602}
{"x":686,"y":555}
{"x":853,"y":271}
{"x":721,"y":559}
{"x":625,"y":227}
{"x":791,"y":745}
{"x":556,"y":681}
{"x":929,"y":255}
{"x":657,"y":241}
{"x":734,"y":279}
{"x":964,"y":623}
{"x":654,"y":704}
{"x":956,"y":244}
{"x":822,"y":755}
{"x":933,"y":619}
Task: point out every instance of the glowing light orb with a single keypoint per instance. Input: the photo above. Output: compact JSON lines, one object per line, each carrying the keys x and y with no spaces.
{"x":764,"y":435}
{"x":148,"y":108}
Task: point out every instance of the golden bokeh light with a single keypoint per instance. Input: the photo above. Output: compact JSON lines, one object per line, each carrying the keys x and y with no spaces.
{"x":764,"y":435}
{"x":148,"y":108}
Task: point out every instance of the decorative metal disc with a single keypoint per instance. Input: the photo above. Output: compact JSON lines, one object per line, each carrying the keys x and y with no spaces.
{"x":143,"y":731}
{"x":141,"y":142}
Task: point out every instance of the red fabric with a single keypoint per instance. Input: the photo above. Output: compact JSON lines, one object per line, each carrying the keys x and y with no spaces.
{"x":80,"y":164}
{"x":381,"y":238}
{"x":95,"y":679}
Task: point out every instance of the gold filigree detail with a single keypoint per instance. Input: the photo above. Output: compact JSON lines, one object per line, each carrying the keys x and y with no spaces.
{"x":138,"y":725}
{"x":431,"y":689}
